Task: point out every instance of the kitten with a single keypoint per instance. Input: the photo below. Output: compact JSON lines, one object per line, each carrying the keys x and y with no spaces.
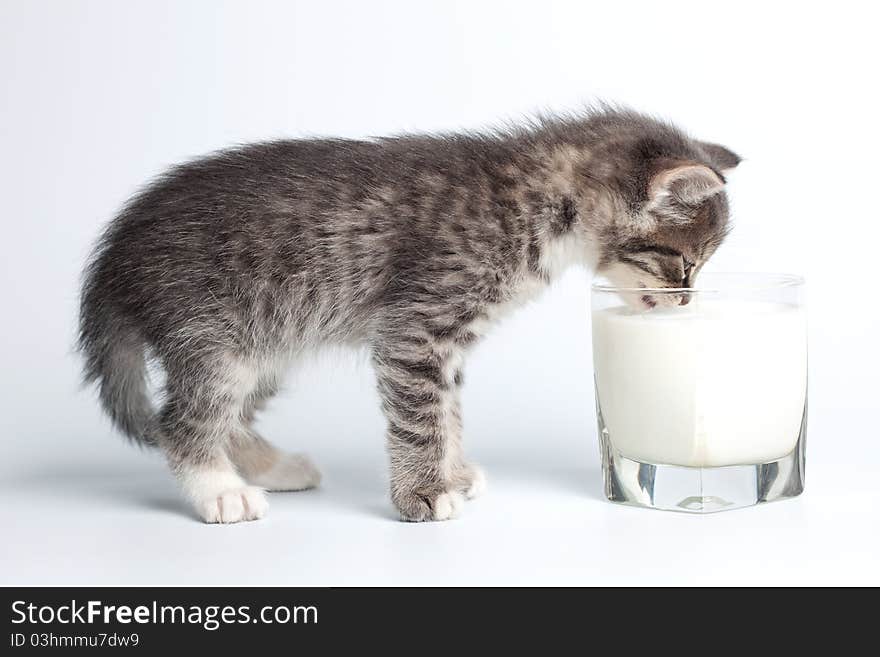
{"x":227,"y":267}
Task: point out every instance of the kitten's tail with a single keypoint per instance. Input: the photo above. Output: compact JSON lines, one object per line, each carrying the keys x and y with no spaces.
{"x":115,"y":360}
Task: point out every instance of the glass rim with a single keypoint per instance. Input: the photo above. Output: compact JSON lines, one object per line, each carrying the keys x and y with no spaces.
{"x":747,"y":281}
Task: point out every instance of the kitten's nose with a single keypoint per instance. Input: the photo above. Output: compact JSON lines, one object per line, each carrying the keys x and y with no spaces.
{"x":685,"y":299}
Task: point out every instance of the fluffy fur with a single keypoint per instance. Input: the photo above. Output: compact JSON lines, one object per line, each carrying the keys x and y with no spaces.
{"x":226,"y":267}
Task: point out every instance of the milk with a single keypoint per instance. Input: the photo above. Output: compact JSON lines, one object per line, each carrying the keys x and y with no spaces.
{"x":713,"y":383}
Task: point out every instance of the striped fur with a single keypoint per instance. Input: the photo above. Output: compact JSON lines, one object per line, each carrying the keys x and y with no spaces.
{"x":227,"y":267}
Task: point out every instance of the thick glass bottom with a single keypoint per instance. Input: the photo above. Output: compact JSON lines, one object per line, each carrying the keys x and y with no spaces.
{"x":701,"y":490}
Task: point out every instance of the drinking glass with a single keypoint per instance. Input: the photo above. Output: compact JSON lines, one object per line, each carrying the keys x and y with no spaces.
{"x":701,"y":393}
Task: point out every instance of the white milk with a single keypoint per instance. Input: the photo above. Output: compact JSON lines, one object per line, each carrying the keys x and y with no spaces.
{"x":708,"y":384}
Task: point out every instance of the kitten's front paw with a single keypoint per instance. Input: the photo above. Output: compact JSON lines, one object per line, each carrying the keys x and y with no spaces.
{"x":470,"y":480}
{"x":478,"y":484}
{"x":421,"y":507}
{"x":233,"y":505}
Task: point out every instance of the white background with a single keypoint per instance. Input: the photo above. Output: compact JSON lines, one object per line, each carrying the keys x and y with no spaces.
{"x":97,"y":97}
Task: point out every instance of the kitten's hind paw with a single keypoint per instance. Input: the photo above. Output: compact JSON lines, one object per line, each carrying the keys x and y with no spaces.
{"x":291,"y":472}
{"x":447,"y":506}
{"x":233,"y":505}
{"x":414,"y":507}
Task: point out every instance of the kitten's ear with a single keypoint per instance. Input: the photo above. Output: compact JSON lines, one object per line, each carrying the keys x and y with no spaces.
{"x":723,"y":158}
{"x":690,"y":184}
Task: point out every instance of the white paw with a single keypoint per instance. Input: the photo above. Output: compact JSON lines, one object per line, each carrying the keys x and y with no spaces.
{"x":233,"y":505}
{"x":447,"y":505}
{"x":478,"y":485}
{"x":291,"y":472}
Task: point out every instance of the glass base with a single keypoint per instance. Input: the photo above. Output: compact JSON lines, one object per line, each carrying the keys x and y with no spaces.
{"x":701,"y":490}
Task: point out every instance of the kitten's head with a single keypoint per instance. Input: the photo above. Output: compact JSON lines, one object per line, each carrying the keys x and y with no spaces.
{"x":676,"y":216}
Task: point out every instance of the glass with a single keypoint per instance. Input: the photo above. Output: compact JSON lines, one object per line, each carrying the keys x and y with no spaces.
{"x":701,"y":393}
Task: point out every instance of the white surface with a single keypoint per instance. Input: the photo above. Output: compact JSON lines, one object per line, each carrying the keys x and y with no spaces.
{"x":717,"y":382}
{"x":100,"y":96}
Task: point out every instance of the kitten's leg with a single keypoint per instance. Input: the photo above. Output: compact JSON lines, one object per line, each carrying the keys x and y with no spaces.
{"x":263,"y":464}
{"x":203,"y":408}
{"x":468,"y":477}
{"x":419,"y":399}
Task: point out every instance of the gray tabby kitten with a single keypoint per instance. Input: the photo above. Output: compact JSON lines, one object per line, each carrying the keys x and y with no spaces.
{"x":227,"y":267}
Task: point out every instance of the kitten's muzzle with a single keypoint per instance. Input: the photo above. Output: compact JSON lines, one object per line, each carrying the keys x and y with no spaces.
{"x":665,"y":299}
